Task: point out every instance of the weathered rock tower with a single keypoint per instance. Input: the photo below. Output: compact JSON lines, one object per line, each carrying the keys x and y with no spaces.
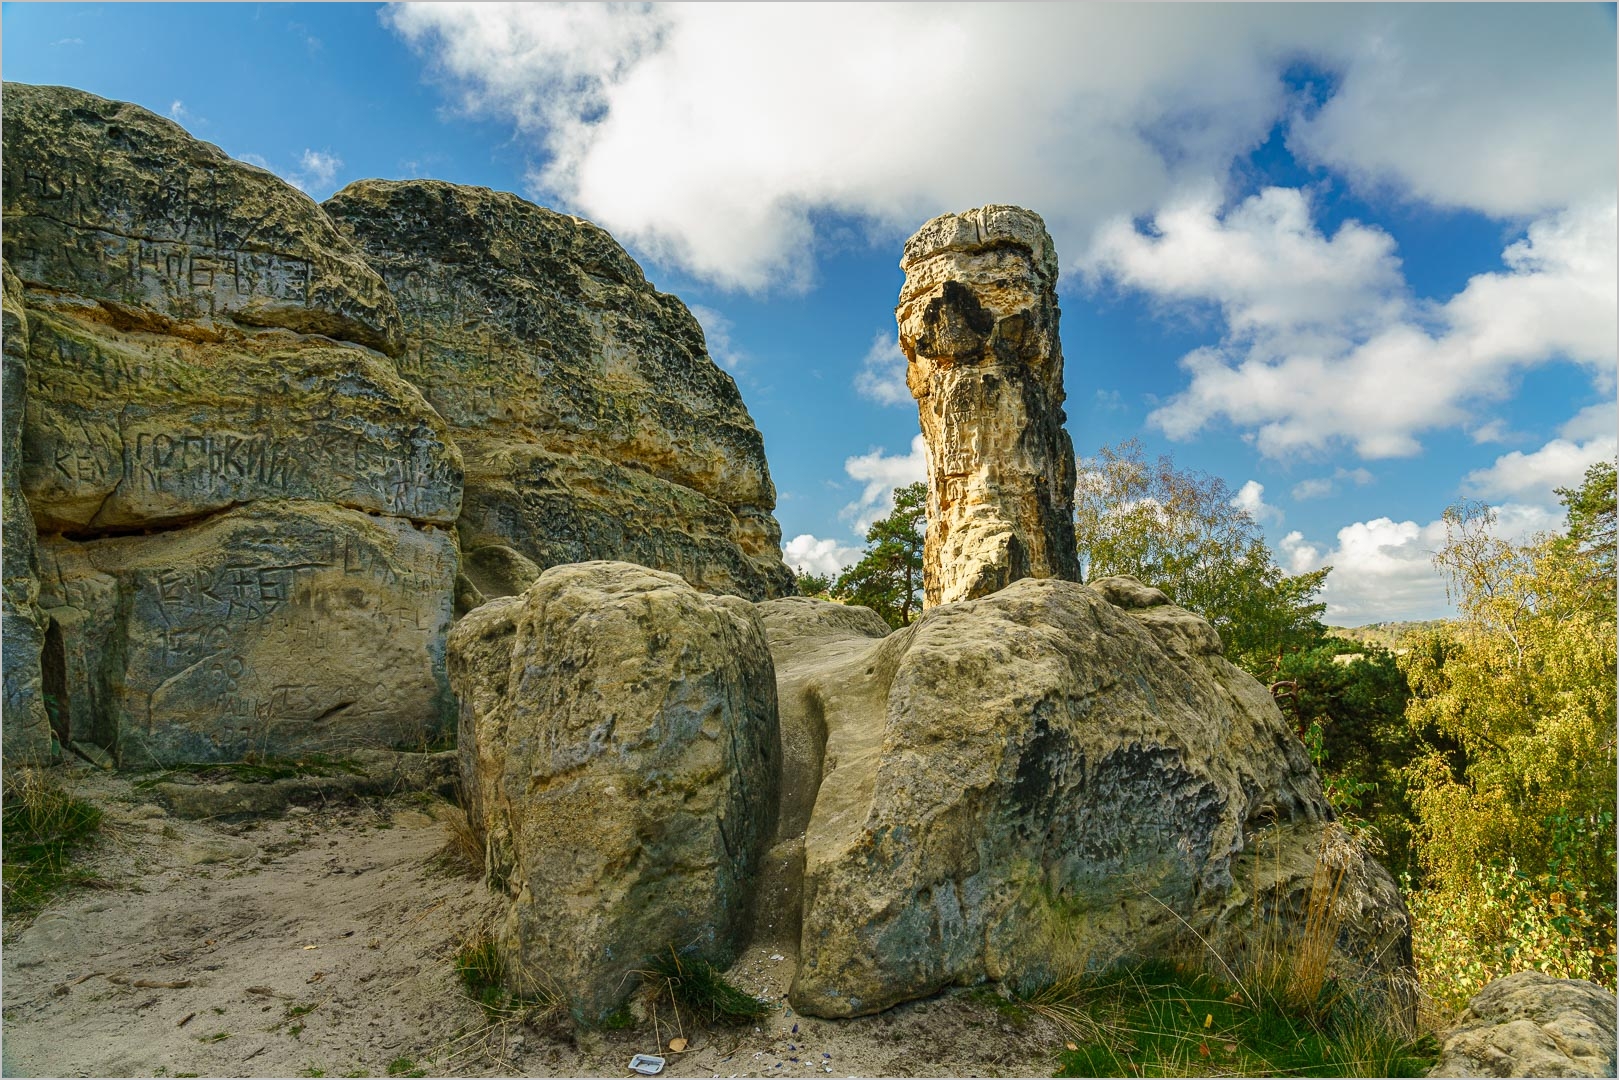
{"x":978,"y":324}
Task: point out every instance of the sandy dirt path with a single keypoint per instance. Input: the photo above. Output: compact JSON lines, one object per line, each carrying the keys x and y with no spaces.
{"x":321,"y":941}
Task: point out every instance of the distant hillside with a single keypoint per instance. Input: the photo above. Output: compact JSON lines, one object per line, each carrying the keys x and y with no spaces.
{"x":1390,"y":635}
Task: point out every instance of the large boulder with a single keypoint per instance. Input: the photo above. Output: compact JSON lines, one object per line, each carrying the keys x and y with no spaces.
{"x":1533,"y":1024}
{"x":245,"y":513}
{"x":1053,"y":777}
{"x":618,"y":734}
{"x":592,"y":421}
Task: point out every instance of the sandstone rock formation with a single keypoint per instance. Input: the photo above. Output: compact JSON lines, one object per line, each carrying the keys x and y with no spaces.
{"x":1532,"y":1024}
{"x":25,"y":728}
{"x":592,"y":422}
{"x":618,"y":729}
{"x":978,"y":323}
{"x":245,"y":538}
{"x":244,"y":466}
{"x":1050,"y":777}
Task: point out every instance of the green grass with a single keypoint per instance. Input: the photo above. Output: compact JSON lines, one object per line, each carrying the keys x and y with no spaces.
{"x":43,"y":827}
{"x":700,"y":987}
{"x":1159,"y":1020}
{"x":620,"y":1019}
{"x":483,"y":975}
{"x":403,"y":1066}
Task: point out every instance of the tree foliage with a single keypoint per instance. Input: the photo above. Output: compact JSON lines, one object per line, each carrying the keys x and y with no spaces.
{"x":1516,"y":700}
{"x":812,"y":584}
{"x":1348,"y":701}
{"x":888,"y":578}
{"x":1182,"y":532}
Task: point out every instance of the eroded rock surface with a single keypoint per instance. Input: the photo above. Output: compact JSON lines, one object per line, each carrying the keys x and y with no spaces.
{"x":978,"y":324}
{"x":114,"y":203}
{"x":275,"y":629}
{"x":1532,"y":1024}
{"x":25,"y":729}
{"x":620,"y":731}
{"x":245,"y":512}
{"x":592,"y":421}
{"x":1041,"y":780}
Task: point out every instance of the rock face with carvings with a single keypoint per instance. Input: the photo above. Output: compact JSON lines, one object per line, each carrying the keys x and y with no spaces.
{"x":592,"y":422}
{"x":1533,"y":1024}
{"x":245,"y":514}
{"x":619,"y":740}
{"x":24,"y":725}
{"x":252,"y":480}
{"x":978,"y":324}
{"x":1044,"y":780}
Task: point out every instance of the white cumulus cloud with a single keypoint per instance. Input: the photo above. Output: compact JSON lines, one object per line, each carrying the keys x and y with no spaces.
{"x":1264,"y":263}
{"x":881,"y":473}
{"x":1382,"y":569}
{"x":817,"y":555}
{"x":1300,"y":386}
{"x":1251,"y":498}
{"x":1511,"y":113}
{"x":881,"y":377}
{"x":1534,"y":477}
{"x":756,"y":118}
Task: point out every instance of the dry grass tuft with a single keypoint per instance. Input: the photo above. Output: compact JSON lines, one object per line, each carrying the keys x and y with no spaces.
{"x":462,"y":854}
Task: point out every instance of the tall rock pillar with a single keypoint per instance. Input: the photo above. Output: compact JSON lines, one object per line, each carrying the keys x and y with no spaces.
{"x":978,"y":324}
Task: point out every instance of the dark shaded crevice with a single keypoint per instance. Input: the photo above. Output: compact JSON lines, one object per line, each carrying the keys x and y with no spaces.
{"x":105,"y":532}
{"x":331,"y":713}
{"x":53,"y":681}
{"x":82,"y":534}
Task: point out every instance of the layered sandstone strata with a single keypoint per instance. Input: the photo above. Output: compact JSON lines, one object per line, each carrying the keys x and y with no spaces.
{"x":592,"y":421}
{"x":978,"y":324}
{"x":25,"y":729}
{"x":245,"y":514}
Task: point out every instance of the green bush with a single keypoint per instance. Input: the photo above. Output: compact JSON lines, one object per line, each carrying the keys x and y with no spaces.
{"x":1506,"y":921}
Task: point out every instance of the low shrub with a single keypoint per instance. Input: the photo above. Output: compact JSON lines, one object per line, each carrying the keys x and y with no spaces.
{"x":1506,"y":921}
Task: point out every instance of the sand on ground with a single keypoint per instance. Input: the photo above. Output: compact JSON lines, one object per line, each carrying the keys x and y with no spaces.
{"x":322,"y":941}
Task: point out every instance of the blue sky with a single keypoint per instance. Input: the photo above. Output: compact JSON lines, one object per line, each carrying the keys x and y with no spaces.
{"x":1359,"y":261}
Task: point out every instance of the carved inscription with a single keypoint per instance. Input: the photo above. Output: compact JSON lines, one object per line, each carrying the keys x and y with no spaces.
{"x":163,"y":462}
{"x":229,"y":641}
